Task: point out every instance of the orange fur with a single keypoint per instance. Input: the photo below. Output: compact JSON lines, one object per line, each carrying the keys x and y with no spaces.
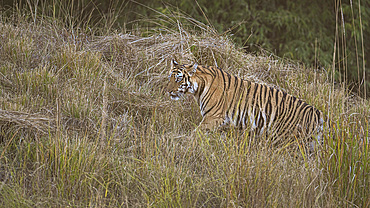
{"x":225,"y":99}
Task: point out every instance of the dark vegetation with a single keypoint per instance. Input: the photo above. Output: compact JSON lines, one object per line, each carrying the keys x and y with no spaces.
{"x":320,"y":34}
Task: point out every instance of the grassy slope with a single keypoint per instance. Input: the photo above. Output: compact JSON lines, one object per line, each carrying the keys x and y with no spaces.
{"x":84,"y":122}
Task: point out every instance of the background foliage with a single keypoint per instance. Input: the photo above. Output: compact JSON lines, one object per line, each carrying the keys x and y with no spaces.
{"x":300,"y":30}
{"x":307,"y":31}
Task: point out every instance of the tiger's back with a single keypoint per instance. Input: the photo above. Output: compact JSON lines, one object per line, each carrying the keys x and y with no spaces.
{"x":225,"y":99}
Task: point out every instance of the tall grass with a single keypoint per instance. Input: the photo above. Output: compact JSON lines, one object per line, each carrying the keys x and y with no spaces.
{"x":84,"y":121}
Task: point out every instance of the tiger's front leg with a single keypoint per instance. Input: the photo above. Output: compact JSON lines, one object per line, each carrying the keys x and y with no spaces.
{"x":210,"y":123}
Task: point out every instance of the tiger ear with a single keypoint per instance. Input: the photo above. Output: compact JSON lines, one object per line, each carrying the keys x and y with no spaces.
{"x":193,"y":69}
{"x":174,"y":63}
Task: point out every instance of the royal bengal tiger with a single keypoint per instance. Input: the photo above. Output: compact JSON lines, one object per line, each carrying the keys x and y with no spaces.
{"x":226,"y":100}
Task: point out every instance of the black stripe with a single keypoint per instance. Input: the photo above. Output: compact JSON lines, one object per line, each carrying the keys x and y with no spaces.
{"x":224,"y":79}
{"x":205,"y":113}
{"x":241,"y":95}
{"x":274,"y":121}
{"x":309,"y":119}
{"x":269,"y":105}
{"x":201,"y":89}
{"x":229,"y":81}
{"x":212,"y":69}
{"x":292,"y":110}
{"x":245,"y":108}
{"x":233,"y":99}
{"x":259,"y":106}
{"x":292,"y":116}
{"x":282,"y":110}
{"x":200,"y":69}
{"x":207,"y":95}
{"x":207,"y":98}
{"x":254,"y":94}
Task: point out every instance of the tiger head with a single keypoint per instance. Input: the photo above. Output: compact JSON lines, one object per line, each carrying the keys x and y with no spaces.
{"x":180,"y":80}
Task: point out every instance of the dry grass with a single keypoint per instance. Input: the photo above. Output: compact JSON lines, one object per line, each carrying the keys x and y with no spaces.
{"x":84,"y":121}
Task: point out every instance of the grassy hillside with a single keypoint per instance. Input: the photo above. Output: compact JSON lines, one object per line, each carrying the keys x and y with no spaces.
{"x":84,"y":121}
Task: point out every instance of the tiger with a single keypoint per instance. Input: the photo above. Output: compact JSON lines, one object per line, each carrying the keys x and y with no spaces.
{"x":227,"y":100}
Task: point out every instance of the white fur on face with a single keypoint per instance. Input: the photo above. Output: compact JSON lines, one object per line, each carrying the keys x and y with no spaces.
{"x":193,"y":87}
{"x":175,"y":98}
